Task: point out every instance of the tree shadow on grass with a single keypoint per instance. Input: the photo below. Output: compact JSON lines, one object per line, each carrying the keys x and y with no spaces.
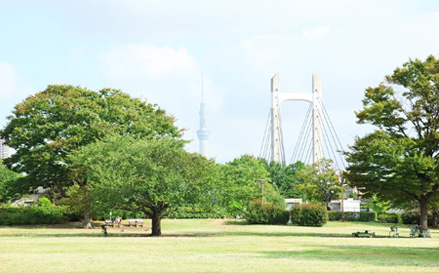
{"x":361,"y":254}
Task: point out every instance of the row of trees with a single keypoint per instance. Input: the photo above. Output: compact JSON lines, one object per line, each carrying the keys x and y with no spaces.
{"x":102,"y":150}
{"x":98,"y":151}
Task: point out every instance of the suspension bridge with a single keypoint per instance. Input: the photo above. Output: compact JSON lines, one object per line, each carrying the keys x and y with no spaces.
{"x":317,"y":138}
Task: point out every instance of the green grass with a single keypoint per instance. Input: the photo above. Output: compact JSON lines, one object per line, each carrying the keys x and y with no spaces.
{"x":216,"y":246}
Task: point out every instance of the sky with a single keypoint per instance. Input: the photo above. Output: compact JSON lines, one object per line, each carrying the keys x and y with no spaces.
{"x":157,"y":50}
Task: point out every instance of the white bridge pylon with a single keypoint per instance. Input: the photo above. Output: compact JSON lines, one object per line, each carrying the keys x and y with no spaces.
{"x":277,"y":98}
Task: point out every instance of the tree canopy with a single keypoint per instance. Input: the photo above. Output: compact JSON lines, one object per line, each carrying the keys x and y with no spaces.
{"x":238,"y":185}
{"x":45,"y":127}
{"x":153,"y":175}
{"x":399,"y":161}
{"x":320,"y":182}
{"x":285,"y":177}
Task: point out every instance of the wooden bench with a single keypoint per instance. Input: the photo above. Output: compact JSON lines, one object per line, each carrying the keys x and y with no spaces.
{"x":135,"y":222}
{"x":364,"y":234}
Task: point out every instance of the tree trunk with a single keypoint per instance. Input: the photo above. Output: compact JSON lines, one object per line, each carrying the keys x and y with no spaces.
{"x":424,"y":213}
{"x":156,"y":218}
{"x":87,"y":219}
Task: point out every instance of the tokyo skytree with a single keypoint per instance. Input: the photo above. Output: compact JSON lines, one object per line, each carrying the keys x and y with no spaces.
{"x":203,"y":133}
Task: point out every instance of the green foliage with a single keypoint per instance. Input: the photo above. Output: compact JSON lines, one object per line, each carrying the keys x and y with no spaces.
{"x":267,"y":213}
{"x":193,"y":213}
{"x":285,"y":177}
{"x":238,"y":185}
{"x":314,"y":215}
{"x":398,"y":161}
{"x":32,"y":215}
{"x":363,"y":216}
{"x":388,"y":218}
{"x":46,"y":127}
{"x":44,"y":202}
{"x":7,"y":181}
{"x":78,"y":201}
{"x":378,"y":206}
{"x":150,"y":175}
{"x":320,"y":182}
{"x":412,"y":218}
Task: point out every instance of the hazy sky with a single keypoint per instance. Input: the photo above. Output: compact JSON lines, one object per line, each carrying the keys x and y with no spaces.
{"x":157,"y":50}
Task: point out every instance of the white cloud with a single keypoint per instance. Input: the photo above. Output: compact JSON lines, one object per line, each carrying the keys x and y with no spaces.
{"x":267,"y":52}
{"x":315,"y":33}
{"x":138,"y":61}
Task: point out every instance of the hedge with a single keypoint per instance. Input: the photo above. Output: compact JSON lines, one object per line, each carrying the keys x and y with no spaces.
{"x":258,"y":213}
{"x":388,"y":218}
{"x":309,"y":215}
{"x":32,"y":215}
{"x":412,"y":218}
{"x":362,"y":216}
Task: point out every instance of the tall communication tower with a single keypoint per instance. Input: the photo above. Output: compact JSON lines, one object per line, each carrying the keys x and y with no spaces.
{"x":203,"y":133}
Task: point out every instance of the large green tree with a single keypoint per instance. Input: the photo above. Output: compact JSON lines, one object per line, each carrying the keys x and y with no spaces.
{"x":153,"y":175}
{"x":238,"y":185}
{"x":45,"y":127}
{"x":399,"y":161}
{"x":320,"y":182}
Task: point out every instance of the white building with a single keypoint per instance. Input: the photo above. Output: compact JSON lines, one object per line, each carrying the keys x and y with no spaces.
{"x":290,"y":202}
{"x":348,"y":205}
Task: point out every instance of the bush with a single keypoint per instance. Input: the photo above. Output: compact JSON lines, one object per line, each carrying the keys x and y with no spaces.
{"x":410,"y":218}
{"x":413,"y":217}
{"x":309,"y":215}
{"x":32,"y":215}
{"x":334,"y":215}
{"x":388,"y":218}
{"x":367,"y":216}
{"x":362,"y":216}
{"x":258,"y":213}
{"x":44,"y":202}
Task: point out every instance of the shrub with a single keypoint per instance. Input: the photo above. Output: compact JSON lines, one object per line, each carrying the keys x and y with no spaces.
{"x":32,"y":215}
{"x":367,"y":216}
{"x":362,"y":216}
{"x":44,"y":202}
{"x":309,"y":215}
{"x":334,"y":215}
{"x":258,"y":213}
{"x":413,"y":217}
{"x":410,"y":217}
{"x":388,"y":218}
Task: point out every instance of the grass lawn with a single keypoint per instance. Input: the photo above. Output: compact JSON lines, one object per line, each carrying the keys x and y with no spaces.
{"x":216,"y":246}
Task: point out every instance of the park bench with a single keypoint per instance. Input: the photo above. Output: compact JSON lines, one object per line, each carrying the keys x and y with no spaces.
{"x":363,"y":234}
{"x":135,"y":222}
{"x":112,"y":223}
